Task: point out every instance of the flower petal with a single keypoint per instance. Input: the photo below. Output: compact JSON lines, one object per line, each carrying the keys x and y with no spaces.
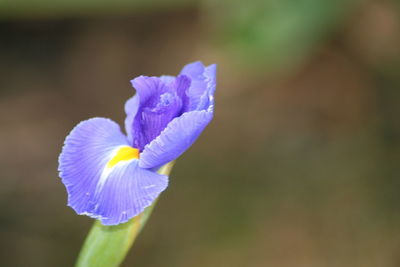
{"x":211,"y":79}
{"x":131,"y":108}
{"x":194,"y":70}
{"x":159,"y":104}
{"x":127,"y":191}
{"x":111,"y":194}
{"x":179,"y":135}
{"x":168,"y":79}
{"x":202,"y":87}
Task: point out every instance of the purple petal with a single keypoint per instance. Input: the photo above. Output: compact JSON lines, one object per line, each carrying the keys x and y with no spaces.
{"x":131,"y":108}
{"x":86,"y":151}
{"x":167,"y":79}
{"x":111,"y":194}
{"x":147,"y":87}
{"x":179,"y":135}
{"x":159,"y":104}
{"x":202,"y":87}
{"x":127,"y":191}
{"x":194,"y":70}
{"x":210,"y":74}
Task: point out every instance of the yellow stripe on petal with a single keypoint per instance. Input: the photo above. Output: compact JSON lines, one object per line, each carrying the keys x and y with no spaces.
{"x":123,"y":154}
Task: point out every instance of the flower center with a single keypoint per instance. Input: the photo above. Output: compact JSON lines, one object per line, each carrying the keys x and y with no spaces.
{"x":123,"y":154}
{"x":164,"y":102}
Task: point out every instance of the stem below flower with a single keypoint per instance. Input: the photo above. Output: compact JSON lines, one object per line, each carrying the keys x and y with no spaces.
{"x":107,"y":246}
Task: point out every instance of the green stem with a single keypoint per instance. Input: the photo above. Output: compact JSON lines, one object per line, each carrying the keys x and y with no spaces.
{"x":108,"y":245}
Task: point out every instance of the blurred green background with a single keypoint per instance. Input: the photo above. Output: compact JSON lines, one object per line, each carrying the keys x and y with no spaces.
{"x":300,"y":166}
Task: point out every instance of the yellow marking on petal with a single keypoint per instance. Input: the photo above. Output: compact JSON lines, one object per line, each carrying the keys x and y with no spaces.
{"x":124,"y":153}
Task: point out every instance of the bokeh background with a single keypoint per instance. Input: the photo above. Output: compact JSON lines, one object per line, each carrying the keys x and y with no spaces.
{"x":300,"y":166}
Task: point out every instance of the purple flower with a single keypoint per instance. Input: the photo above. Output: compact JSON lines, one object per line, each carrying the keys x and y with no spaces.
{"x":112,"y":177}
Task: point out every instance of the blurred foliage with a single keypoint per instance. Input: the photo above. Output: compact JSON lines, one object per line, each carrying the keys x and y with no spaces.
{"x":278,"y":34}
{"x":67,"y":8}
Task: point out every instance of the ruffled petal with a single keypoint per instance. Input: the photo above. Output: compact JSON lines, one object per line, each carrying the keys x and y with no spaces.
{"x":87,"y":149}
{"x":111,"y":194}
{"x":179,"y":135}
{"x":202,"y":87}
{"x":159,"y":103}
{"x":194,"y":70}
{"x":210,"y":75}
{"x":126,"y":192}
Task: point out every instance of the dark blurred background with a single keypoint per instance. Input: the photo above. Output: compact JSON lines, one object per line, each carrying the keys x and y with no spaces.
{"x":300,"y":166}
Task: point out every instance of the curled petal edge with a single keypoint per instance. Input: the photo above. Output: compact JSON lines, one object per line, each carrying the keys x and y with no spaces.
{"x":175,"y":139}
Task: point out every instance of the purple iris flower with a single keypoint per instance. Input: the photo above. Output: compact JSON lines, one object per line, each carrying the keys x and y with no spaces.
{"x":112,"y":177}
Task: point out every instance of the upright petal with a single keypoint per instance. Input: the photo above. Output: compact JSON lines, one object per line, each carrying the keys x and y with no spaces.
{"x":132,"y":105}
{"x":202,"y":87}
{"x":194,"y":70}
{"x":131,"y":108}
{"x":113,"y":192}
{"x":211,"y":79}
{"x":159,"y":104}
{"x":148,"y":88}
{"x":179,"y":135}
{"x":167,"y":79}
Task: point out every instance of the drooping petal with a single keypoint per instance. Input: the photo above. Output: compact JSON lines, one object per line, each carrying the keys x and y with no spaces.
{"x":179,"y":135}
{"x":86,"y":151}
{"x":159,"y":103}
{"x":126,"y":192}
{"x":113,"y":192}
{"x":202,"y":87}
